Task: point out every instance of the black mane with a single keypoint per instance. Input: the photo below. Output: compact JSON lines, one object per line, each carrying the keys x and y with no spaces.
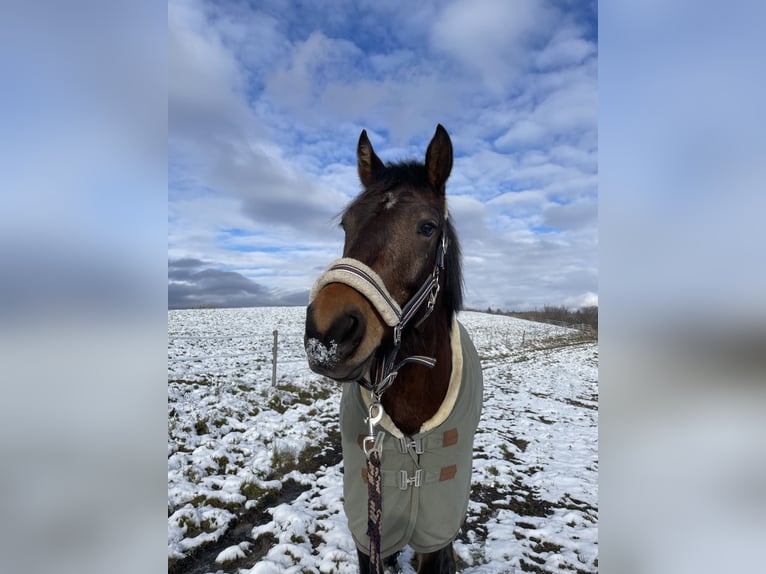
{"x":453,"y":272}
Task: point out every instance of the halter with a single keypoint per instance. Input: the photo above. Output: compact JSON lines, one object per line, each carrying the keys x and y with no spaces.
{"x":362,"y":278}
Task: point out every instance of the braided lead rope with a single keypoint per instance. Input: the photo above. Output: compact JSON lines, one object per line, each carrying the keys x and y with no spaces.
{"x":374,"y":510}
{"x":373,"y":447}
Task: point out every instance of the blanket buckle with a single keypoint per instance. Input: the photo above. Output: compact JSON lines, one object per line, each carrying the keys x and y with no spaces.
{"x":405,"y":481}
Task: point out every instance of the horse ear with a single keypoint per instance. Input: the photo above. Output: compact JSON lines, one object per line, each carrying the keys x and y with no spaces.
{"x":368,"y":164}
{"x":439,"y":159}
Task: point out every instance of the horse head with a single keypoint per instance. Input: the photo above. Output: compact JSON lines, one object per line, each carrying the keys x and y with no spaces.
{"x":393,"y":231}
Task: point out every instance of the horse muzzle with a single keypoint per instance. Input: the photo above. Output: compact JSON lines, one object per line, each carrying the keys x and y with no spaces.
{"x":343,"y":331}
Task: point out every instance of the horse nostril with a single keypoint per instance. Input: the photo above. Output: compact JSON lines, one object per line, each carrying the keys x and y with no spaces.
{"x":347,"y":331}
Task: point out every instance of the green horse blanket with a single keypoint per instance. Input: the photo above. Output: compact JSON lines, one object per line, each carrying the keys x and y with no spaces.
{"x":426,"y":477}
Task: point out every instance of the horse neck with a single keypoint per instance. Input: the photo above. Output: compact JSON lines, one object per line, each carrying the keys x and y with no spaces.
{"x":418,"y":391}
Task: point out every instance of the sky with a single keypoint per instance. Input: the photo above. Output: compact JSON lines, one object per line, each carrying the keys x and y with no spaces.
{"x":266,"y":102}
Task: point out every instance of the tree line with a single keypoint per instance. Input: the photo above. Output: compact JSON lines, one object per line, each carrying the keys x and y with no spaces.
{"x":550,"y":313}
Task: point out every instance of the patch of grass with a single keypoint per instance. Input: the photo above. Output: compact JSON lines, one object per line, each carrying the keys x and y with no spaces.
{"x":531,"y":470}
{"x":520,"y":443}
{"x":296,"y":560}
{"x":576,"y":403}
{"x":193,"y":474}
{"x":509,"y":456}
{"x":575,"y":568}
{"x":527,"y":567}
{"x":206,"y":525}
{"x":537,"y":559}
{"x":315,"y":540}
{"x":254,"y":491}
{"x":338,"y":561}
{"x":289,"y":393}
{"x":522,"y":500}
{"x":559,"y":341}
{"x":544,"y":546}
{"x":589,"y":512}
{"x":309,"y":459}
{"x":275,"y":404}
{"x":201,"y":500}
{"x":282,"y":462}
{"x":306,"y":395}
{"x":183,"y":382}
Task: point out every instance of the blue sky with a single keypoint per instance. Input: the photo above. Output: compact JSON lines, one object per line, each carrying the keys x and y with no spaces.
{"x":266,"y":103}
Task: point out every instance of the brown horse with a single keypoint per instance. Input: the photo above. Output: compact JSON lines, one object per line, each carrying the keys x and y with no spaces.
{"x":383,"y":316}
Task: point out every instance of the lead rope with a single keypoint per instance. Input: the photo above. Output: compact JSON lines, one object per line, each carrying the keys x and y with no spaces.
{"x":373,"y":444}
{"x":374,"y":511}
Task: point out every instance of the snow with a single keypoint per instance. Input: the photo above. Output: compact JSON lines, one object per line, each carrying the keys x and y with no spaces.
{"x":319,"y":354}
{"x":244,"y":453}
{"x":233,"y":553}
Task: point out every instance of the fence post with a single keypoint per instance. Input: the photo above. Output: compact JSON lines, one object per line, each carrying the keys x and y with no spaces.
{"x":274,"y":360}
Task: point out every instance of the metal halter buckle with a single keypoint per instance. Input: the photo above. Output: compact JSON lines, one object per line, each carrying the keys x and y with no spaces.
{"x":372,"y":442}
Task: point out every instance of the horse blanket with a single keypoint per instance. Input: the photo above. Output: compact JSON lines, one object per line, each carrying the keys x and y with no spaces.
{"x":426,"y":477}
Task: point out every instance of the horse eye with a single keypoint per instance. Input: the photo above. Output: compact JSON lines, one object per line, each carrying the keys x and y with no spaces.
{"x":427,"y":229}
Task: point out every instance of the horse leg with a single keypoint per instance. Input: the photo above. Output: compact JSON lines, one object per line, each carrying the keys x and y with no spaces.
{"x":440,"y":562}
{"x":364,"y":561}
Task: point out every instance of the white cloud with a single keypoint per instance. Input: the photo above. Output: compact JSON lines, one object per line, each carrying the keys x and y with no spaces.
{"x":566,"y":48}
{"x":572,"y":215}
{"x":314,"y":63}
{"x":565,"y":109}
{"x":588,"y":299}
{"x":205,"y":84}
{"x":490,"y":37}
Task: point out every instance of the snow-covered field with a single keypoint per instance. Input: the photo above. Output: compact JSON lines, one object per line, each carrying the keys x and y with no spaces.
{"x":255,"y":473}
